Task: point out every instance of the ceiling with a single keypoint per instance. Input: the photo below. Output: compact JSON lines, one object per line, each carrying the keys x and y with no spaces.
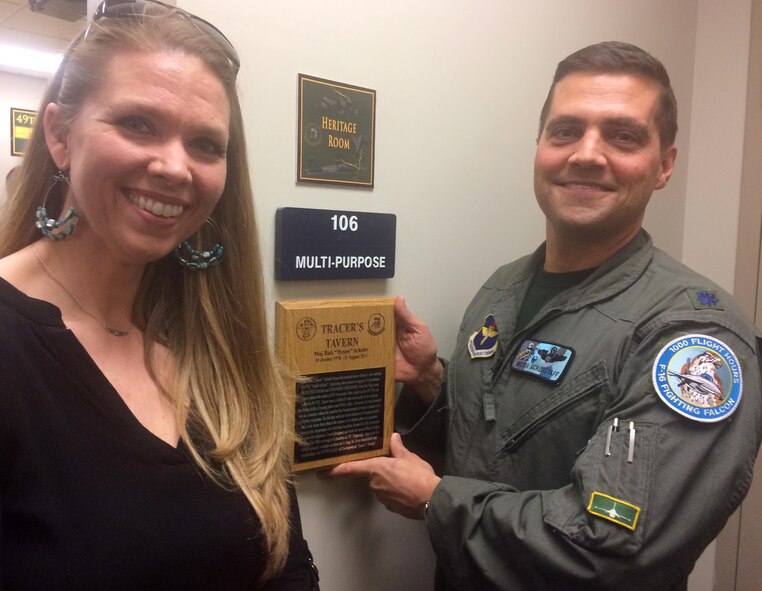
{"x":19,"y":25}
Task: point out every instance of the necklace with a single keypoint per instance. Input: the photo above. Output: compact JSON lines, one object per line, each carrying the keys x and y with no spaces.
{"x":117,"y":332}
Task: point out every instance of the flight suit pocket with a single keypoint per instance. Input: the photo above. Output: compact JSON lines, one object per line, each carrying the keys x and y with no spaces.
{"x":590,"y":385}
{"x":540,"y":447}
{"x":606,"y":507}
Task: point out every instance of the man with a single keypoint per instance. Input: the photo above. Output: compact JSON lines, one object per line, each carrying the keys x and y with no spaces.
{"x":600,"y":414}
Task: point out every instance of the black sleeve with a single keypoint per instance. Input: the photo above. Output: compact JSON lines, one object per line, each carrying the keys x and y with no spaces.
{"x":424,"y":428}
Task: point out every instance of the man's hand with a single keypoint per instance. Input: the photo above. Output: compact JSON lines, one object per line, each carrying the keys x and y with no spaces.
{"x":416,"y":360}
{"x":403,"y":483}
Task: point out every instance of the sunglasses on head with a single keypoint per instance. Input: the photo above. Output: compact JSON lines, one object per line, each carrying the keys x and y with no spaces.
{"x":134,"y":8}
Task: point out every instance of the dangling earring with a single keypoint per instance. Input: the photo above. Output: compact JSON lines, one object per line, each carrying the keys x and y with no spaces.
{"x":56,"y":229}
{"x":194,"y":260}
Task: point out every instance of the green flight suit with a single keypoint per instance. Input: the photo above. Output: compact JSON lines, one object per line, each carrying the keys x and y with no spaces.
{"x":525,"y":457}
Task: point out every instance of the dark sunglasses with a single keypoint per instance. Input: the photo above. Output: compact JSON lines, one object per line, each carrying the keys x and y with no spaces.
{"x":134,"y":8}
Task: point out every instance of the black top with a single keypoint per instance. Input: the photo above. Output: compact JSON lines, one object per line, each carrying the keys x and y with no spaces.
{"x":89,"y":498}
{"x":544,"y":287}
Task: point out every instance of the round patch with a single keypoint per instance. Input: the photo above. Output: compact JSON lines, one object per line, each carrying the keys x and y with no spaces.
{"x":699,"y":377}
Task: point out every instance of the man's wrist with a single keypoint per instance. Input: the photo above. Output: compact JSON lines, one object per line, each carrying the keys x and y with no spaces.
{"x":430,"y":382}
{"x":435,"y":480}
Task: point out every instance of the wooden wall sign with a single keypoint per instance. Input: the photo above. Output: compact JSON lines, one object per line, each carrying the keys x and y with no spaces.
{"x":337,"y":130}
{"x":345,"y":350}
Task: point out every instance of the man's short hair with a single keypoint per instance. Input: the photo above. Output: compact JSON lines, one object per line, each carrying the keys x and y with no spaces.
{"x":615,"y":57}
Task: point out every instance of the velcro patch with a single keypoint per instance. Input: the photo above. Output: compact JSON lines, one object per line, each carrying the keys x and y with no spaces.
{"x":483,"y":343}
{"x":703,"y":299}
{"x":614,"y":510}
{"x":699,"y":377}
{"x":548,"y":361}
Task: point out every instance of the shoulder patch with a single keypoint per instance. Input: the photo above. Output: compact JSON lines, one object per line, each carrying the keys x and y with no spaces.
{"x":614,"y":510}
{"x":699,"y":377}
{"x":703,"y":299}
{"x":483,"y":343}
{"x":548,"y":361}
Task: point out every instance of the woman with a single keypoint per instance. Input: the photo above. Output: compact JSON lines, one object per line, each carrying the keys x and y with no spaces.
{"x":143,"y":422}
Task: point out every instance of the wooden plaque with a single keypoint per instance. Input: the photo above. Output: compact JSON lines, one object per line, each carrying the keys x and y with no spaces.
{"x":345,"y":351}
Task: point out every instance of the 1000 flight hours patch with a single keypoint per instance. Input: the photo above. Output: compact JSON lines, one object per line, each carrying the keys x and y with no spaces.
{"x":698,"y":377}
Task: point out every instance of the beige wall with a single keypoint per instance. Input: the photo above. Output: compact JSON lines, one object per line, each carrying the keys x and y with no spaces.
{"x":717,"y":134}
{"x":20,"y":92}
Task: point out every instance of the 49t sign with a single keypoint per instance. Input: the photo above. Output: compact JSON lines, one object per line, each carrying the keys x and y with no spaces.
{"x":22,"y":123}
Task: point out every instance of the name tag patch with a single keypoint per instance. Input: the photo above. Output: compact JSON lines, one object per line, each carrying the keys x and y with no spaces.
{"x":698,"y":377}
{"x":548,"y":361}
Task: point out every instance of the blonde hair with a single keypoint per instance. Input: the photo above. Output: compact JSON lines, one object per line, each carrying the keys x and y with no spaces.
{"x":232,"y":399}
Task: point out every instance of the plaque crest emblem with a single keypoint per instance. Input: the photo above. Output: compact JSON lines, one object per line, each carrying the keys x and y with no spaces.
{"x":483,"y":343}
{"x":699,"y":377}
{"x":312,"y":134}
{"x":376,"y":324}
{"x":306,"y":328}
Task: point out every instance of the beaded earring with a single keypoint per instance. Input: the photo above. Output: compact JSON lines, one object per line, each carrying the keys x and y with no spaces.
{"x":197,"y":260}
{"x":61,"y":228}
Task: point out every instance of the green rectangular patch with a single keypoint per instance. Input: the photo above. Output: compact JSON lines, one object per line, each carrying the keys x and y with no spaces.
{"x":614,"y":510}
{"x":703,"y":299}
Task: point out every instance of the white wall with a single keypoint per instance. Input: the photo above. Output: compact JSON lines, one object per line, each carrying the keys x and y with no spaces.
{"x":20,"y":92}
{"x":716,"y":146}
